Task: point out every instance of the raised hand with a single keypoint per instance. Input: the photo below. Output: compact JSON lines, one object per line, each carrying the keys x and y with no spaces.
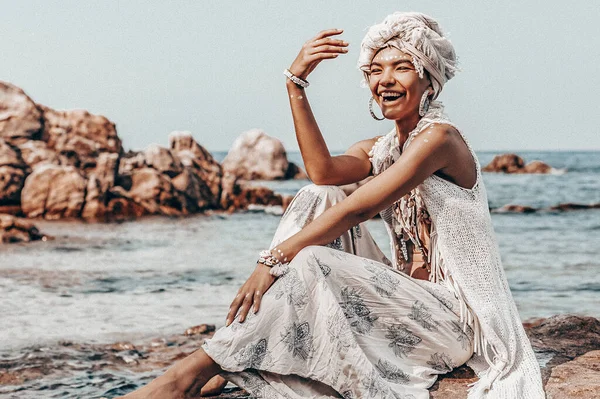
{"x":317,"y":49}
{"x":250,"y":294}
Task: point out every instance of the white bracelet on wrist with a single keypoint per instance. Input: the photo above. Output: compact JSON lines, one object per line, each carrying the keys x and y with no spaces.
{"x":300,"y":82}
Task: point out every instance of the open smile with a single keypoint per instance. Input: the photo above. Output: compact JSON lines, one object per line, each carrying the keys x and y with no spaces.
{"x":390,"y":98}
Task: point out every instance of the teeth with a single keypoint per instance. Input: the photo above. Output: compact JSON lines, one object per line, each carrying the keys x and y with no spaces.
{"x":391,"y":94}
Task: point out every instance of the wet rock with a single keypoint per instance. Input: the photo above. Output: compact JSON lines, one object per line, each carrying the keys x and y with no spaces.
{"x":53,"y":192}
{"x":201,"y":163}
{"x":200,"y":329}
{"x":20,"y":117}
{"x":196,"y":191}
{"x":512,"y":163}
{"x":162,"y":160}
{"x":257,"y":156}
{"x":14,"y":229}
{"x":511,"y":208}
{"x":537,"y":167}
{"x":566,"y":335}
{"x":239,"y":195}
{"x":12,"y":174}
{"x":79,"y":137}
{"x":569,"y":206}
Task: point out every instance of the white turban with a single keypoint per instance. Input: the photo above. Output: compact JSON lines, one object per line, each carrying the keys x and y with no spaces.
{"x":417,"y":35}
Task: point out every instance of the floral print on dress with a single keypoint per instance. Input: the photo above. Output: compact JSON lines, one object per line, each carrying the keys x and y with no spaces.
{"x":336,"y":244}
{"x":299,"y":340}
{"x":391,"y":372}
{"x":402,"y":340}
{"x":464,"y":337}
{"x":253,"y":355}
{"x":292,"y":288}
{"x":337,"y":327}
{"x":441,"y":362}
{"x":383,"y":280}
{"x":422,"y":315}
{"x":358,"y":314}
{"x":304,"y":207}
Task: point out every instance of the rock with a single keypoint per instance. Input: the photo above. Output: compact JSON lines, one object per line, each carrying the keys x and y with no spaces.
{"x":579,"y":378}
{"x":12,"y":174}
{"x":295,"y":172}
{"x":514,"y":209}
{"x":566,"y":335}
{"x":79,"y":137}
{"x":99,"y":184}
{"x":155,"y":193}
{"x":238,"y":195}
{"x":569,"y":206}
{"x":197,"y":192}
{"x":200,"y":329}
{"x":20,"y":118}
{"x":512,"y":163}
{"x":537,"y":167}
{"x":201,"y":162}
{"x":13,"y":229}
{"x":53,"y":192}
{"x":257,"y":156}
{"x":162,"y":160}
{"x":36,"y":152}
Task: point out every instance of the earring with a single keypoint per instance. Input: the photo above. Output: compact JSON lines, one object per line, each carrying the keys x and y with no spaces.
{"x":424,"y":104}
{"x":371,"y":110}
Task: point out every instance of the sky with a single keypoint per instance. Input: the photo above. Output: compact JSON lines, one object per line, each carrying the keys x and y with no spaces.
{"x":528,"y":82}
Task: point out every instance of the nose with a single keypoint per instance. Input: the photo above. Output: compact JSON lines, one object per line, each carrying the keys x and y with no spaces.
{"x":387,"y":77}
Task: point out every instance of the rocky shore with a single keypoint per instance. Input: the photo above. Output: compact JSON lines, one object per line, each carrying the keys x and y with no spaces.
{"x":567,"y":348}
{"x":72,"y":165}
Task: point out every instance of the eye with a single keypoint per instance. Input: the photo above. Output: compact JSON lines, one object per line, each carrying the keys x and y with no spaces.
{"x":375,"y":71}
{"x":403,"y":68}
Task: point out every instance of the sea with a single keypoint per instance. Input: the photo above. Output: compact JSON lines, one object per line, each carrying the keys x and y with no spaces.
{"x":130,"y":281}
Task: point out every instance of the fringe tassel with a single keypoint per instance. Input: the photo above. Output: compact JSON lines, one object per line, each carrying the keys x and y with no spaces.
{"x":467,"y":318}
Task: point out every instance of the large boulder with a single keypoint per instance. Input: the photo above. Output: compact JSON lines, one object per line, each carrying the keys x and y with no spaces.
{"x":258,"y":156}
{"x":201,"y":163}
{"x":79,"y":137}
{"x":512,"y":163}
{"x":53,"y":192}
{"x":20,"y":117}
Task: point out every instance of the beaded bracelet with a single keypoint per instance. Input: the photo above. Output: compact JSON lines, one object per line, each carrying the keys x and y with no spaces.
{"x":278,"y":268}
{"x":300,"y":82}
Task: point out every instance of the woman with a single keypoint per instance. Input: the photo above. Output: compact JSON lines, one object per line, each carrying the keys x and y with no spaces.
{"x":325,"y":314}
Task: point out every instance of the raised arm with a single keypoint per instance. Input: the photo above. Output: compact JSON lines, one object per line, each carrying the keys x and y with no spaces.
{"x":320,"y":166}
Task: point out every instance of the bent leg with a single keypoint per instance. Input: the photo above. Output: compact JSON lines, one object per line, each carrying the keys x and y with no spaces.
{"x":309,"y":203}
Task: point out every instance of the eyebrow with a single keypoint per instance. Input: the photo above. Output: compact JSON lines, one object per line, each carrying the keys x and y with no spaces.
{"x":393,"y":63}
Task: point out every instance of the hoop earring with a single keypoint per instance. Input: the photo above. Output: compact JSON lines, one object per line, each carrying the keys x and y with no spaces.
{"x":371,"y":110}
{"x":424,"y":104}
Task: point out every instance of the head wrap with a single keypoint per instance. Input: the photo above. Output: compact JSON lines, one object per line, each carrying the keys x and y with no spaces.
{"x":417,"y":35}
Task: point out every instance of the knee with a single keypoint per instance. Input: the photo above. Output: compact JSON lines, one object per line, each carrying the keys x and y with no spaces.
{"x":309,"y":252}
{"x":333,"y":193}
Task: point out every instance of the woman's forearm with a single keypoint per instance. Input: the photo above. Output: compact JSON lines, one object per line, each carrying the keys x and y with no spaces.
{"x":315,"y":153}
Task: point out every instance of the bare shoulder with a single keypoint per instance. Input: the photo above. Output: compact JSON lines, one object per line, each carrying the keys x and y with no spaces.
{"x":435,"y":136}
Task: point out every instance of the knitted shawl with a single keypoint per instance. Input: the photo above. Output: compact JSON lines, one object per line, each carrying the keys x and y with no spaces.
{"x":465,"y":257}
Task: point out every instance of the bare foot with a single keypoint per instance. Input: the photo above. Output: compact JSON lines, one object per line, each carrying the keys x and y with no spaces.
{"x":214,"y":386}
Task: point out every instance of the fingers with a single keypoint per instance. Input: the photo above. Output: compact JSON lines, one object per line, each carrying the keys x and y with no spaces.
{"x":328,"y":49}
{"x":257,"y":299}
{"x":233,"y":308}
{"x":248,"y":298}
{"x":327,"y":32}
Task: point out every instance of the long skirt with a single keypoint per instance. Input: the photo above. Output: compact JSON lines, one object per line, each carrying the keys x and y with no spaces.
{"x":342,"y":323}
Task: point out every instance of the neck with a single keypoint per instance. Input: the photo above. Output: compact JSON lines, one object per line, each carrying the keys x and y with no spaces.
{"x":405,"y":126}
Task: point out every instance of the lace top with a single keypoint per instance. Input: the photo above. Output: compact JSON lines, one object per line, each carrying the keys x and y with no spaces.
{"x":463,"y":255}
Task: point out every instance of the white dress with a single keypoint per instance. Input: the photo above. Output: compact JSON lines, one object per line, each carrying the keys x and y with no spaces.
{"x":344,"y":322}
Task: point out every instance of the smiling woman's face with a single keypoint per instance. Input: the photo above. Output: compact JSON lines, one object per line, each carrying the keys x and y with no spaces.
{"x":395,"y":84}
